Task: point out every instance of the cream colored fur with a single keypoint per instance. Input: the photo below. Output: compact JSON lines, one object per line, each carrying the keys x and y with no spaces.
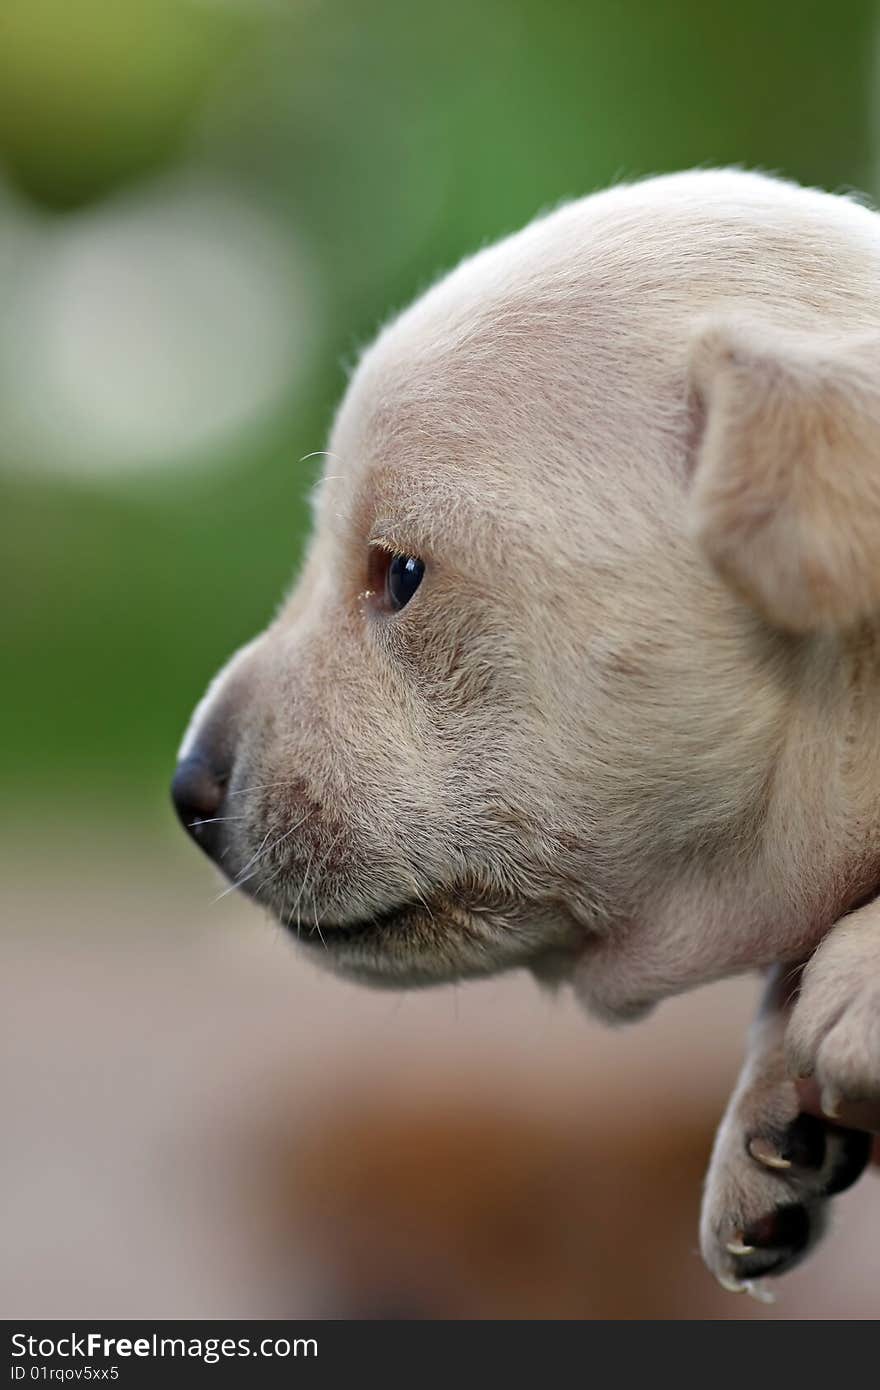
{"x":626,"y":733}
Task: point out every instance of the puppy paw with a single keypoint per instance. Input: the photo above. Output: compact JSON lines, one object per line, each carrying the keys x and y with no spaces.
{"x":769,"y":1181}
{"x":833,"y":1034}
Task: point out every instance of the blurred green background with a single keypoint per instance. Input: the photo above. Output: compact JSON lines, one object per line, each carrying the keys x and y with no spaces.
{"x":207,"y":205}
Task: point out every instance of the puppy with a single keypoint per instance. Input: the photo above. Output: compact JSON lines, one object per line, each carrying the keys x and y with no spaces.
{"x":582,"y":673}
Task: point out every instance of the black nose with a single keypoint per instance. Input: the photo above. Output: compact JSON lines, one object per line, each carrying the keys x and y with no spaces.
{"x":198,"y":792}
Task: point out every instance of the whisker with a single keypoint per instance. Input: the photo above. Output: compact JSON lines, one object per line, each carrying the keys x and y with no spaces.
{"x":260,"y":787}
{"x":329,"y":850}
{"x":323,"y":860}
{"x":280,"y":841}
{"x":320,"y":454}
{"x":245,"y":877}
{"x":256,"y":854}
{"x":233,"y":887}
{"x":295,"y":908}
{"x":214,"y":820}
{"x":318,"y":927}
{"x":305,"y":878}
{"x":422,"y":899}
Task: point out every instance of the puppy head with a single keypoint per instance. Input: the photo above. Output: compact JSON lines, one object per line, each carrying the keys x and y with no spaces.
{"x":517,"y":695}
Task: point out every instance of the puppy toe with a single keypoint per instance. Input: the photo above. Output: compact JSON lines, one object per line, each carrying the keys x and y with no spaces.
{"x":799,"y":1145}
{"x":817,"y":1159}
{"x":851,"y":1153}
{"x":833,"y":1033}
{"x":776,"y":1241}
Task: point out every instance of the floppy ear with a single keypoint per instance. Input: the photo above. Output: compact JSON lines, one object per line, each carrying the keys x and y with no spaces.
{"x":786,"y":490}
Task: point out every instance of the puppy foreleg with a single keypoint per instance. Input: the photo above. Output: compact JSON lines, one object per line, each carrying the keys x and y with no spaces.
{"x":772,"y":1168}
{"x":834,"y":1031}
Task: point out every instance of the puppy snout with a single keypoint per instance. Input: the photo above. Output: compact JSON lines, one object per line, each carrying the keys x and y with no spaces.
{"x":198,"y":791}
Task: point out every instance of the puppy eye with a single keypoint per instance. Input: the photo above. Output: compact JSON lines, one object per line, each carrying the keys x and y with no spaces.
{"x":402,"y":578}
{"x":392,"y":578}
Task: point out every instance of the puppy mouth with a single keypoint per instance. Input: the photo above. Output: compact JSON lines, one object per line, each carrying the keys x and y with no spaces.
{"x":328,"y":934}
{"x":408,"y":945}
{"x":414,"y":943}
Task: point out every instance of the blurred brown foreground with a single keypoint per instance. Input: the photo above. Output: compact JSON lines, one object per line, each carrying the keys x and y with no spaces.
{"x":200,"y":1124}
